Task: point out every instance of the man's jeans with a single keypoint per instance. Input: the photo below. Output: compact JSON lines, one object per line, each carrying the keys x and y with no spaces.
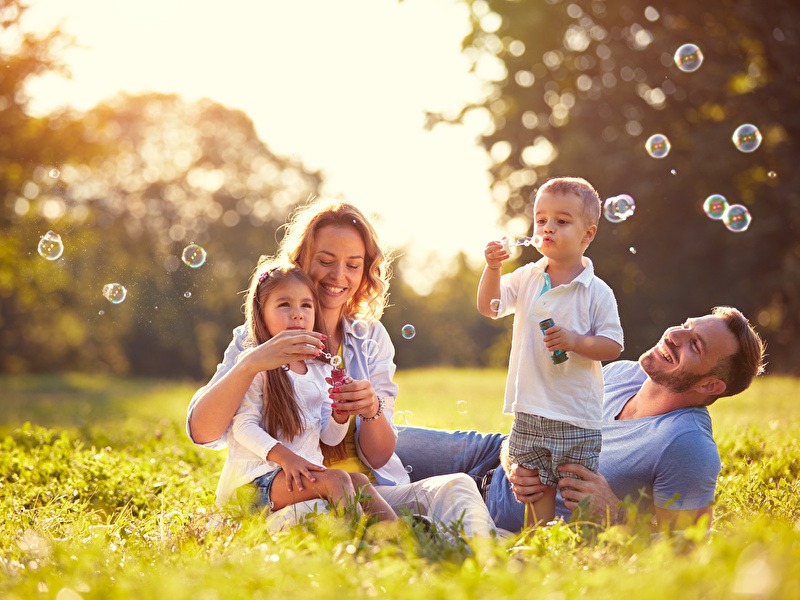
{"x":432,"y":452}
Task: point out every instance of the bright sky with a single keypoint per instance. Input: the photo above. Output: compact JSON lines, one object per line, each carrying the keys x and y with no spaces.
{"x":342,"y":85}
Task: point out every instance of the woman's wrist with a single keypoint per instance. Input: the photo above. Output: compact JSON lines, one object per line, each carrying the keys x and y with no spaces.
{"x":378,"y":413}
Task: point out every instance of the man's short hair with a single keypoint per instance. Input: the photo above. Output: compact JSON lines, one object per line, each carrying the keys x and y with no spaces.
{"x":740,"y":368}
{"x":581,"y":188}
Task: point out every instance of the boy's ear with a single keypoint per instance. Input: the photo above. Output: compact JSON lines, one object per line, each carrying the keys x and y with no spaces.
{"x":590,"y":233}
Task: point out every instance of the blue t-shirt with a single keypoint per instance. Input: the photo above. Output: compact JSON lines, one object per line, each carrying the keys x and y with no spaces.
{"x":670,"y":461}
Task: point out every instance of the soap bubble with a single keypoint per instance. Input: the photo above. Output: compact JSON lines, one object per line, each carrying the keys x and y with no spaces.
{"x":360,"y":329}
{"x":50,"y":246}
{"x":657,"y":145}
{"x":737,"y":218}
{"x":336,"y":361}
{"x":408,"y":331}
{"x":495,"y":305}
{"x":632,"y":249}
{"x":114,"y":292}
{"x":618,"y":208}
{"x":688,"y":58}
{"x":520,"y":240}
{"x":409,"y":469}
{"x":54,"y":173}
{"x":462,"y":407}
{"x":402,"y":417}
{"x":369,"y":348}
{"x":187,"y":294}
{"x":772,"y":174}
{"x":194,"y":256}
{"x":746,"y":138}
{"x":715,"y":206}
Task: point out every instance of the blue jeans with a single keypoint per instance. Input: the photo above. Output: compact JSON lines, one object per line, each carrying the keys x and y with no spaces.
{"x":432,"y":452}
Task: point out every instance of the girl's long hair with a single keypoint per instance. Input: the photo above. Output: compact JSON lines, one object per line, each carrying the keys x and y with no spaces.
{"x":281,"y":412}
{"x":297,"y":246}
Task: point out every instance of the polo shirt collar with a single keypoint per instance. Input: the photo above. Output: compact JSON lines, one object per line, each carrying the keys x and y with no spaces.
{"x":585,"y":276}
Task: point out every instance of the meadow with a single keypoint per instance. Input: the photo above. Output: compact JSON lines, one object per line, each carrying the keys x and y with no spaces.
{"x":102,"y":495}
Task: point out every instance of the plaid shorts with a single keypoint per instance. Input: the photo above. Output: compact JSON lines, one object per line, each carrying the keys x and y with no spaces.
{"x":539,"y":443}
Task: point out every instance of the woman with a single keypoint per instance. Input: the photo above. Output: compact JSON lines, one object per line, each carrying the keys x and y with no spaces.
{"x":338,"y":248}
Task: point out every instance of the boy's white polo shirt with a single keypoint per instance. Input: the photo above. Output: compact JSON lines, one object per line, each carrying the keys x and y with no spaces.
{"x":571,"y":391}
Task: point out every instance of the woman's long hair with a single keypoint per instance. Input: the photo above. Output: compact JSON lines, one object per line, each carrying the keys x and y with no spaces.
{"x":281,"y":412}
{"x":297,"y":246}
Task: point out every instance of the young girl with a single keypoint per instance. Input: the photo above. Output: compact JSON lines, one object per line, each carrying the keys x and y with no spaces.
{"x":276,"y":432}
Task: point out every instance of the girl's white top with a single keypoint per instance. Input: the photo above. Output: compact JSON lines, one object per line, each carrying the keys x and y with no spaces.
{"x":249,"y":444}
{"x":377,"y":366}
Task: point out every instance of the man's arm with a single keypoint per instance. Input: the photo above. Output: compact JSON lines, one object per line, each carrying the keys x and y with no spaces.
{"x":604,"y":502}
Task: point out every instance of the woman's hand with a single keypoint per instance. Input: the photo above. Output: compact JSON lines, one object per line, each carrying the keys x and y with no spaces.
{"x":355,"y":397}
{"x":288,"y":346}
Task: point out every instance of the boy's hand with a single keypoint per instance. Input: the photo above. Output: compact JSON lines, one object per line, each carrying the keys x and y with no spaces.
{"x":560,"y":338}
{"x":495,"y":254}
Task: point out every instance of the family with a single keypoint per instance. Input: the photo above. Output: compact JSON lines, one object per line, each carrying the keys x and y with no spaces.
{"x":614,"y":436}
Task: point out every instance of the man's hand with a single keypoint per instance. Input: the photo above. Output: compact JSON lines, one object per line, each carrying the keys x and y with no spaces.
{"x":602,"y":500}
{"x":525,"y":483}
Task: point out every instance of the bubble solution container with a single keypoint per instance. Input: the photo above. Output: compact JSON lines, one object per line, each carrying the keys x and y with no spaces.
{"x":559,"y":356}
{"x":338,"y":376}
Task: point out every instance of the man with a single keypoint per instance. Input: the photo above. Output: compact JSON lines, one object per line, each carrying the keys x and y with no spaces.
{"x":658,"y":449}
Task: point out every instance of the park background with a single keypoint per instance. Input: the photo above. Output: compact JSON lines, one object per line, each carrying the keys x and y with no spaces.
{"x":210,"y":124}
{"x":539,"y":89}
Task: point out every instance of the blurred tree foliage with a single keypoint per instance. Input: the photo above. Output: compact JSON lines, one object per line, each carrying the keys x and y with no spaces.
{"x":127,"y":186}
{"x":571,"y":89}
{"x":575,"y":88}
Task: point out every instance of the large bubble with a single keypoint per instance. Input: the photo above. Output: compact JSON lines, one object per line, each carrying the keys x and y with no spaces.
{"x":618,"y":208}
{"x":715,"y":206}
{"x":360,"y":329}
{"x":50,"y":246}
{"x":737,"y":218}
{"x":114,"y":292}
{"x":369,"y":348}
{"x":657,"y":145}
{"x":688,"y":58}
{"x":746,"y":138}
{"x":194,"y":256}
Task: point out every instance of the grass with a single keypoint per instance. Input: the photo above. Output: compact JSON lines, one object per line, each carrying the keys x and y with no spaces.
{"x":103,"y":496}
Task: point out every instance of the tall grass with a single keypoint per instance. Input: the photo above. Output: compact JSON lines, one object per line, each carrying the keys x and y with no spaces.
{"x":103,"y":496}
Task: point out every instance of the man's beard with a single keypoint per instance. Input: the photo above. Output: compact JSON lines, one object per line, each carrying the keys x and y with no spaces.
{"x":674,"y":382}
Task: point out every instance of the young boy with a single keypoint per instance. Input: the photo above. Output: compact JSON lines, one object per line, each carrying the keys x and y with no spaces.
{"x":557,"y":407}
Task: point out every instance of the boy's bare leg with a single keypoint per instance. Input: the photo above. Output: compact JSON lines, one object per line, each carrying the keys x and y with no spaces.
{"x":376,"y":505}
{"x":543,"y":510}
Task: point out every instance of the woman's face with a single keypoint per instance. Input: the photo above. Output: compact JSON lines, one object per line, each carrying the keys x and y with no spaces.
{"x":337,"y":265}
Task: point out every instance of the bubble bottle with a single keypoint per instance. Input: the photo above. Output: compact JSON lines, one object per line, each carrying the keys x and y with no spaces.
{"x":559,"y":356}
{"x":338,"y":374}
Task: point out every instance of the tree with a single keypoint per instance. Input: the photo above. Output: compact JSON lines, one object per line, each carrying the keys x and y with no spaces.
{"x":127,"y":186}
{"x":577,"y":89}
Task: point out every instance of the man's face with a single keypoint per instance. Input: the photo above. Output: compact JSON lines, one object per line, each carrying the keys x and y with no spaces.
{"x":688,"y":353}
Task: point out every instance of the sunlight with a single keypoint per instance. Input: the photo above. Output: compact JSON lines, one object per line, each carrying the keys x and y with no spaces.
{"x":344,"y":92}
